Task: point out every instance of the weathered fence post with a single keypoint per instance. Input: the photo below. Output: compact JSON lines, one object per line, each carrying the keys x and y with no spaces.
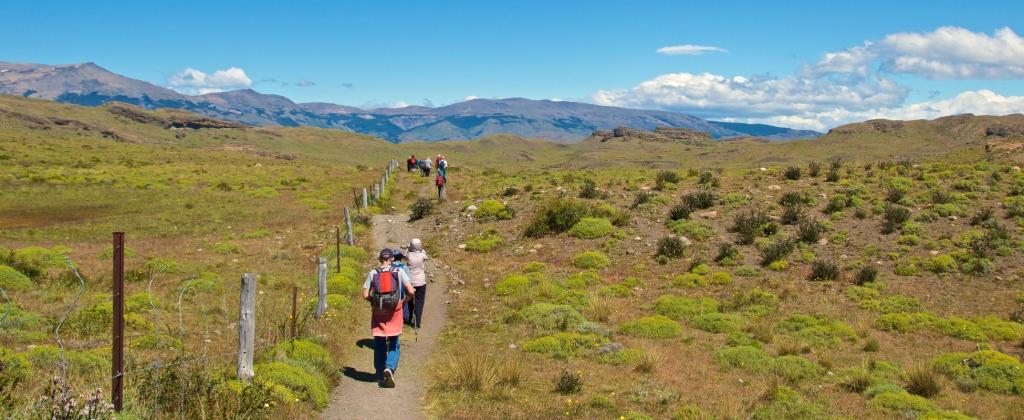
{"x":295,"y":298}
{"x":117,"y":353}
{"x":365,"y":204}
{"x":337,"y":246}
{"x":348,"y":230}
{"x":321,"y":288}
{"x":246,"y":326}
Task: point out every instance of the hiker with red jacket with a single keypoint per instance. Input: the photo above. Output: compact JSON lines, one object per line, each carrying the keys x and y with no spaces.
{"x":411,"y":163}
{"x":387,"y":288}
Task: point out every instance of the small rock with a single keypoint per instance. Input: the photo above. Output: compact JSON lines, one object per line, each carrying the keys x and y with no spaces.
{"x":686,"y":241}
{"x":538,"y":246}
{"x":774,"y":187}
{"x":823,"y":241}
{"x":710,"y":214}
{"x":462,"y":246}
{"x":512,"y":346}
{"x":933,"y":252}
{"x":533,"y":251}
{"x":471,"y":208}
{"x":638,"y":238}
{"x":763,"y":169}
{"x":1016,"y":168}
{"x":822,"y":195}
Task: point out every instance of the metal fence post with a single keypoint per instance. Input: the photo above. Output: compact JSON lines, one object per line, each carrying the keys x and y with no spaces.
{"x":246,"y":326}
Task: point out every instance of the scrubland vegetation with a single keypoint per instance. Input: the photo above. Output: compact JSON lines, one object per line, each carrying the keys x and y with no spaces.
{"x":600,"y":280}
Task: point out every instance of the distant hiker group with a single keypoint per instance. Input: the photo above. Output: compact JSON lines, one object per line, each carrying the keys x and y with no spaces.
{"x":426,"y":165}
{"x":396,"y":290}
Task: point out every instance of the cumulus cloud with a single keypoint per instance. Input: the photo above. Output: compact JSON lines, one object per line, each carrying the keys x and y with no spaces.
{"x":194,"y":82}
{"x":946,"y":53}
{"x":713,"y":95}
{"x":981,"y":102}
{"x":305,"y":83}
{"x":689,"y":49}
{"x":844,"y":86}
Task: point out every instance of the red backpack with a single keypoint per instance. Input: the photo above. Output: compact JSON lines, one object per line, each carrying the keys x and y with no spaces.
{"x":385,"y":289}
{"x":439,"y":181}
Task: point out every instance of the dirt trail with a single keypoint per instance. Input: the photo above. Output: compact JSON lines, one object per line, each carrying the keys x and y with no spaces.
{"x":358,"y":396}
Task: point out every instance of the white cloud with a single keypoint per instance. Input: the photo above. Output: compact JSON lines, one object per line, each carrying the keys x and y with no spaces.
{"x":713,"y":95}
{"x":470,"y":98}
{"x":689,"y":49}
{"x":980,"y":102}
{"x":305,"y":83}
{"x":948,"y":52}
{"x":194,"y":82}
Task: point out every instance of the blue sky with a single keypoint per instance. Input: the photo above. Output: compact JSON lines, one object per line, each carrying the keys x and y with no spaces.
{"x":769,"y":68}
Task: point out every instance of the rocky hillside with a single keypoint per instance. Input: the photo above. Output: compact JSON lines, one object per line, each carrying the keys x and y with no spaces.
{"x":91,"y":85}
{"x":659,"y":135}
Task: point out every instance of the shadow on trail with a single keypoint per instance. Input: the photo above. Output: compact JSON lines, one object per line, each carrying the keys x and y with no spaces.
{"x":365,"y":343}
{"x":355,"y":374}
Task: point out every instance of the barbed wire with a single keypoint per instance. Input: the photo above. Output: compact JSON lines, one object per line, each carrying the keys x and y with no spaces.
{"x":67,"y":314}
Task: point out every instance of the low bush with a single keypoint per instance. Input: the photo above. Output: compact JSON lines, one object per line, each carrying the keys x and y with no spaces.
{"x":751,"y":224}
{"x":564,"y":344}
{"x":867,"y":274}
{"x":810,"y":231}
{"x":11,"y":279}
{"x":670,"y":247}
{"x":305,"y":384}
{"x":681,"y":307}
{"x":717,"y":322}
{"x":568,"y":382}
{"x":485,"y":241}
{"x":552,"y":317}
{"x":591,"y":260}
{"x":655,"y":326}
{"x":792,"y":173}
{"x":776,"y":250}
{"x":792,"y":215}
{"x":985,"y":369}
{"x":592,"y":228}
{"x":895,"y":216}
{"x":793,"y":369}
{"x":785,"y":403}
{"x":423,"y":207}
{"x":824,"y":270}
{"x":513,"y":284}
{"x":589,"y":189}
{"x":493,"y":209}
{"x":692,"y":229}
{"x":923,"y":380}
{"x":743,"y":357}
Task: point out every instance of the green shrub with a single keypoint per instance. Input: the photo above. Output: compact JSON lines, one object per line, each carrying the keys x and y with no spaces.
{"x":309,"y":352}
{"x":895,"y":216}
{"x":787,"y":404}
{"x":746,"y":271}
{"x":720,"y":277}
{"x":614,"y":290}
{"x":817,"y":332}
{"x":810,"y":231}
{"x":568,"y":382}
{"x":793,"y":369}
{"x":905,"y":322}
{"x":655,"y":326}
{"x":423,"y":207}
{"x":681,"y":307}
{"x":535,"y":267}
{"x":670,"y":247}
{"x":987,"y":369}
{"x":824,"y":270}
{"x":942,"y":264}
{"x":751,"y":224}
{"x":744,"y":357}
{"x":776,"y":250}
{"x":15,"y":368}
{"x":547,"y":316}
{"x":867,"y":274}
{"x":564,"y":343}
{"x":689,"y":280}
{"x":589,"y":189}
{"x":33,"y":261}
{"x":46,"y":357}
{"x":493,"y":209}
{"x":717,"y":322}
{"x":485,"y":241}
{"x":307,"y":385}
{"x":11,"y":279}
{"x":792,"y":173}
{"x":343,"y":284}
{"x":591,"y":259}
{"x":557,"y":216}
{"x":592,"y":228}
{"x":225,"y":248}
{"x":512,"y":284}
{"x":753,"y":302}
{"x":620,"y":357}
{"x":691,"y":229}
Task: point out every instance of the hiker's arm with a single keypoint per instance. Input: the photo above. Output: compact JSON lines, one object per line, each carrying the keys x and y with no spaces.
{"x":366,"y":286}
{"x":366,"y":294}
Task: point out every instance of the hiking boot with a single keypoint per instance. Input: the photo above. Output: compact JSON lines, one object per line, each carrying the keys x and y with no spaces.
{"x":389,"y":378}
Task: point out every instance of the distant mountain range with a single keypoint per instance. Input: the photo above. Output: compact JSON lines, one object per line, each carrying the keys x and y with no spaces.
{"x":92,"y":85}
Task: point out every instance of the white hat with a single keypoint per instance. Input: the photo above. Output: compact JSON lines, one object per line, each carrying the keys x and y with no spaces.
{"x":416,"y":244}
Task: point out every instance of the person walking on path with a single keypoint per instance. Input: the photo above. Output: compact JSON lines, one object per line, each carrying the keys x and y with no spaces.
{"x":386,"y":288}
{"x":442,"y":167}
{"x":440,"y":182}
{"x":411,"y":163}
{"x":417,"y":257}
{"x":427,"y":166}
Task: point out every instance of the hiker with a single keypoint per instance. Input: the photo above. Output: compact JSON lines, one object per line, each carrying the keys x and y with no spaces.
{"x":428,"y":164}
{"x":411,"y":163}
{"x":386,"y":288}
{"x":442,"y":167}
{"x":417,"y":257}
{"x":440,"y":182}
{"x":400,"y":259}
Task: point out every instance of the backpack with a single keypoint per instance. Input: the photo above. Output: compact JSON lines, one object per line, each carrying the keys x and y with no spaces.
{"x":386,"y":289}
{"x":439,"y":181}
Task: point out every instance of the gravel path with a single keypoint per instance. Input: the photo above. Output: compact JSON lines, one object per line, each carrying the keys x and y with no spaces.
{"x":358,"y":396}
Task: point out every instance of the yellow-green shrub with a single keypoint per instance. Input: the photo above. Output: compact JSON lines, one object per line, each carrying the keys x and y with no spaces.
{"x":656,"y":326}
{"x":592,"y":228}
{"x":591,"y":259}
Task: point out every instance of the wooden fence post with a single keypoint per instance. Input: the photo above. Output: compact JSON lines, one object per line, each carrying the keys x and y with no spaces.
{"x":295,"y":298}
{"x":246,"y":326}
{"x":337,"y":246}
{"x":348,"y":228}
{"x":321,"y":288}
{"x":117,"y":352}
{"x":365,"y":204}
